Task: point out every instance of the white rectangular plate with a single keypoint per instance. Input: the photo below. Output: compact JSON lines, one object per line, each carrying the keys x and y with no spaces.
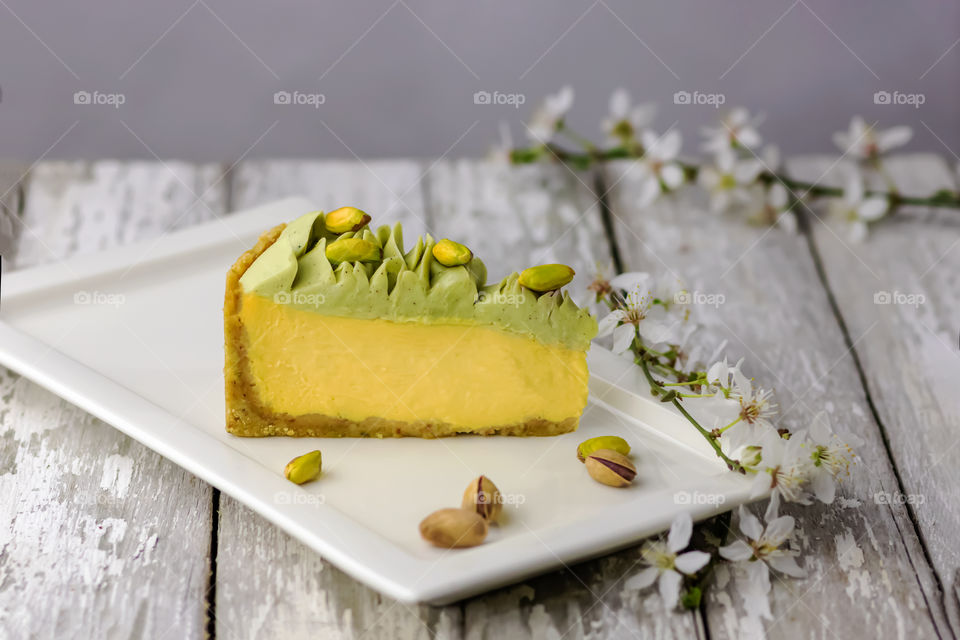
{"x":134,"y":336}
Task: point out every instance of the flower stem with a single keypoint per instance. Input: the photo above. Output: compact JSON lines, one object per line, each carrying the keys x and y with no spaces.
{"x":944,"y":198}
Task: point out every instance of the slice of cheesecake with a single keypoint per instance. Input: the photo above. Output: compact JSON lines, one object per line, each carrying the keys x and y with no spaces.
{"x":333,"y":329}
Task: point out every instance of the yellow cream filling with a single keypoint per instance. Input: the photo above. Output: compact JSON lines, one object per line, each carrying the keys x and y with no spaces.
{"x":466,"y":375}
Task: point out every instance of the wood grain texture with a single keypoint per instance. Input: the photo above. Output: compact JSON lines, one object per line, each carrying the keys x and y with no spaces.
{"x":515,"y":217}
{"x":13,"y":180}
{"x":269,"y":584}
{"x":900,"y":291}
{"x":861,"y":558}
{"x":101,"y":537}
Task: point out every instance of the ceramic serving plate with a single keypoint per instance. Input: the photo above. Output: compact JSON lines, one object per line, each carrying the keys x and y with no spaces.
{"x":134,"y":336}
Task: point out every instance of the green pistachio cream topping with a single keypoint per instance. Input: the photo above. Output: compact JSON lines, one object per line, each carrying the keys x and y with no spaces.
{"x":411,"y":286}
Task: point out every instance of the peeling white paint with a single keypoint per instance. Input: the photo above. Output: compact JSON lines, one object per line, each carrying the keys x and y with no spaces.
{"x":117,"y":473}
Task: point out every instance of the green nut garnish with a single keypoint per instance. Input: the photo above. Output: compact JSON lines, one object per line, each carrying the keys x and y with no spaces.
{"x":345,"y":219}
{"x":303,"y":468}
{"x":614,"y":443}
{"x":546,"y":277}
{"x":352,"y":250}
{"x":451,"y":254}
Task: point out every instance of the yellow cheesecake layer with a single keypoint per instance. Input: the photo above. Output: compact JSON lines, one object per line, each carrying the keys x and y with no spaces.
{"x":465,"y":376}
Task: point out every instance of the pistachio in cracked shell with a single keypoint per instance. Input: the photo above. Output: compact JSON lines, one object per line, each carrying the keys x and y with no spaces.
{"x":546,"y":277}
{"x":352,"y":250}
{"x":611,"y":468}
{"x":483,"y":497}
{"x":454,"y":528}
{"x":616,"y":443}
{"x":345,"y":219}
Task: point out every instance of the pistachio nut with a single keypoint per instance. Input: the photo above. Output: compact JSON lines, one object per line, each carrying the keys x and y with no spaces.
{"x":615,"y":443}
{"x":451,"y":254}
{"x":452,"y":528}
{"x":611,"y":468}
{"x":352,"y":250}
{"x":483,"y":497}
{"x":303,"y":468}
{"x":345,"y":219}
{"x":546,"y":277}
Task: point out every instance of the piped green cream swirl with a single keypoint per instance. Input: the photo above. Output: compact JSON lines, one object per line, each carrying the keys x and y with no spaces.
{"x":409,"y":286}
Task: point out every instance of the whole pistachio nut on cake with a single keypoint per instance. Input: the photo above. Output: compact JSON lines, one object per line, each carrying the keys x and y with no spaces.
{"x":546,"y":277}
{"x":324,"y":330}
{"x":345,"y":219}
{"x":451,"y":254}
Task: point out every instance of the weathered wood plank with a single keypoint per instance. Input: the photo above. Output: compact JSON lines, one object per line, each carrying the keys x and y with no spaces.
{"x":862,"y":566}
{"x":899,"y":290}
{"x":101,"y":537}
{"x":266,"y":580}
{"x":13,"y":180}
{"x":515,"y":217}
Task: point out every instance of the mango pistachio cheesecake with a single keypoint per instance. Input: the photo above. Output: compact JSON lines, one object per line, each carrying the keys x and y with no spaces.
{"x":333,"y":329}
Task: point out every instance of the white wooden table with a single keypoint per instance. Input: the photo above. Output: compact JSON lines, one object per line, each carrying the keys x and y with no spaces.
{"x":102,"y":538}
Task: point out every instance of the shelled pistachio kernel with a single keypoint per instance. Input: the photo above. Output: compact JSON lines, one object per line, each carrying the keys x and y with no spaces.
{"x":483,"y":497}
{"x":616,"y":443}
{"x":352,"y":250}
{"x":453,"y":528}
{"x":610,"y":468}
{"x":451,"y":254}
{"x":345,"y":219}
{"x":304,"y":468}
{"x":546,"y":277}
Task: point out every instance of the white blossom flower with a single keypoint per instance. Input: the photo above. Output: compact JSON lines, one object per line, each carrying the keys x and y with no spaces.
{"x":862,"y":141}
{"x":831,"y":457}
{"x":625,"y":121}
{"x":858,"y":209}
{"x":639,"y":315}
{"x":737,"y":129}
{"x":729,"y":180}
{"x":763,"y":549}
{"x":720,"y":374}
{"x":549,"y":115}
{"x":658,"y":170}
{"x":667,"y":563}
{"x":783,"y":469}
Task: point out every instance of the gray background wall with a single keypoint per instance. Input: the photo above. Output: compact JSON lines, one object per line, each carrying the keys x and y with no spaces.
{"x":398,"y":78}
